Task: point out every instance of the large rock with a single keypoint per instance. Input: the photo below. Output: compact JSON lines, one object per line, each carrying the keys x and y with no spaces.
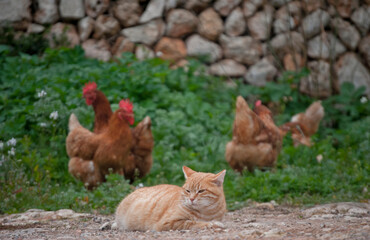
{"x":325,"y":46}
{"x":33,"y":216}
{"x":171,"y":4}
{"x":345,"y":7}
{"x":278,"y":3}
{"x":364,"y":48}
{"x":343,"y":209}
{"x":313,"y":23}
{"x":106,"y":26}
{"x":143,"y":52}
{"x":63,"y":34}
{"x":71,"y":9}
{"x":170,"y":49}
{"x":180,"y":23}
{"x":227,"y":68}
{"x":98,"y":49}
{"x":346,"y":32}
{"x":95,"y":8}
{"x":127,"y":12}
{"x":312,"y":5}
{"x":249,"y":8}
{"x":85,"y":28}
{"x":293,"y":62}
{"x":35,"y":28}
{"x":242,"y":49}
{"x":261,"y":73}
{"x":122,"y":45}
{"x":287,"y":17}
{"x":287,"y":42}
{"x":148,"y":33}
{"x":284,"y":24}
{"x":260,"y":24}
{"x":224,"y":7}
{"x":197,"y":5}
{"x":14,"y":11}
{"x":350,"y":69}
{"x":210,"y":24}
{"x":318,"y":83}
{"x":361,"y":17}
{"x":47,"y":12}
{"x":235,"y":24}
{"x":198,"y":46}
{"x":153,"y":10}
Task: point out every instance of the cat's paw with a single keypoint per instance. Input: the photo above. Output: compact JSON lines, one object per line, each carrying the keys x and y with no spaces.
{"x":216,"y":224}
{"x":114,"y":226}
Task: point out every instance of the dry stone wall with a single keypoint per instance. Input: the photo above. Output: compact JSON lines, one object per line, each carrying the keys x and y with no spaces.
{"x":252,"y":39}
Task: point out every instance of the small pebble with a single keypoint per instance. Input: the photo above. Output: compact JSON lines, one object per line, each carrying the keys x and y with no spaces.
{"x":105,"y":226}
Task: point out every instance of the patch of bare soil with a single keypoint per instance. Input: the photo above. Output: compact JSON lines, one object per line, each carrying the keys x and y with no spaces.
{"x":260,"y":221}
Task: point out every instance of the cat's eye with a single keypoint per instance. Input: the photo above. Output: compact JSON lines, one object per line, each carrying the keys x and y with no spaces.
{"x":201,"y":190}
{"x":188,"y":191}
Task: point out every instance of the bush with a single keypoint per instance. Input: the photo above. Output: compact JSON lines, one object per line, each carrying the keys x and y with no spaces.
{"x":12,"y":44}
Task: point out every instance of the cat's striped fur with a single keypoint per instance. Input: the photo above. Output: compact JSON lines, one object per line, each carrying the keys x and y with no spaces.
{"x":164,"y":207}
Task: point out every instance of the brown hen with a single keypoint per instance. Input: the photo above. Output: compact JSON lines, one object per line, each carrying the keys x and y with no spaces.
{"x":304,"y":125}
{"x":256,"y":140}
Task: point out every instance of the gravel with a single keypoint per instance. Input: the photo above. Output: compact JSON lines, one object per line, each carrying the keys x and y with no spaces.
{"x":258,"y":221}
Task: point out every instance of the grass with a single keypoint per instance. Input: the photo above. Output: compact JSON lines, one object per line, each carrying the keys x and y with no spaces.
{"x":192,"y":117}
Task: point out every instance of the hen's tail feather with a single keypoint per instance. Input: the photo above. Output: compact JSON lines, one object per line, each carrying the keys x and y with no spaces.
{"x":315,"y":111}
{"x":73,"y":122}
{"x":147,"y":121}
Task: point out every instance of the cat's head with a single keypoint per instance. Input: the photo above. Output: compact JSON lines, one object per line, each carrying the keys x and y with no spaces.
{"x":201,"y":190}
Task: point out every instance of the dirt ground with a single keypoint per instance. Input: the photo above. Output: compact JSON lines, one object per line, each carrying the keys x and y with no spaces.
{"x":259,"y":221}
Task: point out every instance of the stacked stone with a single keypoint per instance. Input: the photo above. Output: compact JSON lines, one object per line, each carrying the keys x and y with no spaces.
{"x":253,"y":39}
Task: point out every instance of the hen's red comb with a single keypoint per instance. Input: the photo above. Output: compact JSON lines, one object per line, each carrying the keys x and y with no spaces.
{"x":89,"y":86}
{"x":258,"y":103}
{"x":126,"y":105}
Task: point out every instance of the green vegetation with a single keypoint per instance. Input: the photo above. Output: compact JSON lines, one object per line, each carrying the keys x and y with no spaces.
{"x":192,"y":118}
{"x":14,"y":43}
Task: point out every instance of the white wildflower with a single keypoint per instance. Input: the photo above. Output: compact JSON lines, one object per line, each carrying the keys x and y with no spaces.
{"x":42,"y":124}
{"x":1,"y":145}
{"x":12,"y":142}
{"x":363,"y":99}
{"x":140,"y":185}
{"x":11,"y":152}
{"x":319,"y":158}
{"x":159,"y":53}
{"x":41,"y":94}
{"x":54,"y":115}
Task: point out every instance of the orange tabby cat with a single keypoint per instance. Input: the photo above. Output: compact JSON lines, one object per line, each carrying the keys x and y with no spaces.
{"x":165,"y":207}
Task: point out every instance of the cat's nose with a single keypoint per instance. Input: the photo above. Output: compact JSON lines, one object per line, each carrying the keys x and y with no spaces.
{"x":192,"y":199}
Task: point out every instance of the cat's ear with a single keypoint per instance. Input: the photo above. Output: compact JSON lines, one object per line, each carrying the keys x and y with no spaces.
{"x":187,"y":171}
{"x":219,"y":178}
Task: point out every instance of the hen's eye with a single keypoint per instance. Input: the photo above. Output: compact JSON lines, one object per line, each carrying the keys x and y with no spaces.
{"x":200,"y":191}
